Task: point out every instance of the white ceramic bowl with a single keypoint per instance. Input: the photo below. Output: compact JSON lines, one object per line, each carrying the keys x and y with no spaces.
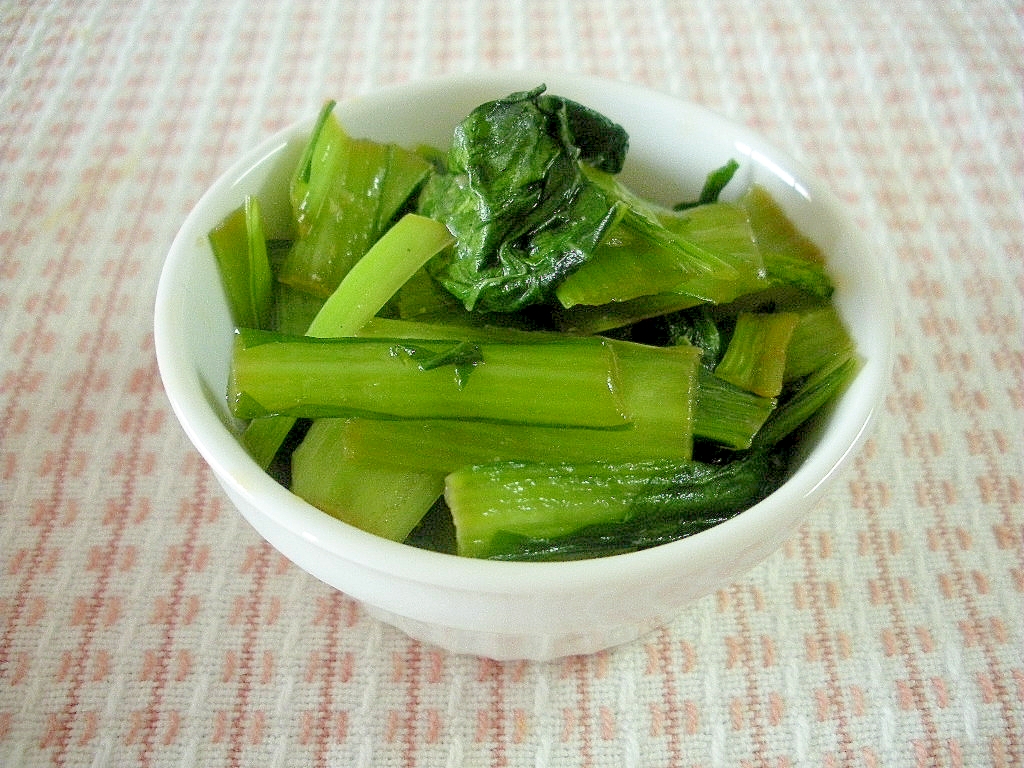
{"x":515,"y":610}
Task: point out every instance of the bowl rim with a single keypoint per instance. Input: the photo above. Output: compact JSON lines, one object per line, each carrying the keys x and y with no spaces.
{"x":233,"y":466}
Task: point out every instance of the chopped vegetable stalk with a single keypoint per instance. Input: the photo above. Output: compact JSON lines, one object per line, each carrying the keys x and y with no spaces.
{"x":263,"y":437}
{"x":399,"y":253}
{"x":385,"y":501}
{"x":774,"y":230}
{"x":345,"y":193}
{"x":574,"y":382}
{"x":658,"y":389}
{"x":818,"y":390}
{"x":722,"y":229}
{"x":819,"y":337}
{"x":375,"y":278}
{"x":515,"y":509}
{"x":756,"y":356}
{"x":707,"y":252}
{"x":727,"y":415}
{"x":312,"y":179}
{"x":795,"y":271}
{"x":626,"y":286}
{"x":714,"y":185}
{"x":240,"y":248}
{"x":584,"y":319}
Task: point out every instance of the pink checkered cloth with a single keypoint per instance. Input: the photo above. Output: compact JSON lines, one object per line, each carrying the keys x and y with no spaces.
{"x":144,"y":623}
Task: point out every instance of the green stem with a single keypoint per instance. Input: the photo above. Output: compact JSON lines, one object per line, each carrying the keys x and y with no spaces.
{"x":377,"y":276}
{"x":755,"y":359}
{"x":726,"y":414}
{"x":382,"y":500}
{"x":658,"y":387}
{"x":240,"y":248}
{"x":401,"y":252}
{"x":509,"y":509}
{"x":573,"y":382}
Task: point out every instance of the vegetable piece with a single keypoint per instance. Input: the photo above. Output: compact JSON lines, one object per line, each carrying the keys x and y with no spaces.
{"x":345,"y":193}
{"x":659,"y":386}
{"x":385,"y":501}
{"x":658,"y":390}
{"x":774,"y":230}
{"x":726,"y":414}
{"x":263,"y":437}
{"x":818,"y":338}
{"x":243,"y":260}
{"x":375,"y":278}
{"x":574,"y":382}
{"x":756,"y":356}
{"x":585,"y":319}
{"x":737,"y":269}
{"x":714,"y":185}
{"x":785,"y":269}
{"x":401,"y":252}
{"x":240,"y":248}
{"x":515,"y":510}
{"x":816,"y":392}
{"x":724,"y":230}
{"x":707,"y":253}
{"x":523,"y":212}
{"x":312,"y":178}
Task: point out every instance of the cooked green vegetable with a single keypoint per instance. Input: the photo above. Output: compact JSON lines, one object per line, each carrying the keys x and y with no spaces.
{"x":666,"y":258}
{"x":522,"y":510}
{"x":714,"y":185}
{"x":345,"y":194}
{"x":572,"y":382}
{"x":384,"y":500}
{"x":813,"y":394}
{"x":755,"y":359}
{"x":726,"y":414}
{"x":240,"y":248}
{"x":364,"y":290}
{"x":389,"y":263}
{"x":658,"y":390}
{"x":818,"y":338}
{"x":580,"y":371}
{"x":517,"y":200}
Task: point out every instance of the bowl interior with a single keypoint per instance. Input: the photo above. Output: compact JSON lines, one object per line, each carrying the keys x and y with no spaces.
{"x":673,"y":145}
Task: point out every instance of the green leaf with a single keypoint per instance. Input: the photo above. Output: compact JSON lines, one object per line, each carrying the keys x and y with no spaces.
{"x":523,"y":212}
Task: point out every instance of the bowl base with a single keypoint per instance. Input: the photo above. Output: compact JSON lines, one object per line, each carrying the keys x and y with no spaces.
{"x":511,"y":646}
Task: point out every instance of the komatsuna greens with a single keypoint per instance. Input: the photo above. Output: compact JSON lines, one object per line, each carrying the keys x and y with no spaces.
{"x":515,"y":196}
{"x":496,"y":349}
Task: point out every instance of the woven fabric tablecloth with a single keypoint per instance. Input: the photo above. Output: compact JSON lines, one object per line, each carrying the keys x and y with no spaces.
{"x":144,"y":623}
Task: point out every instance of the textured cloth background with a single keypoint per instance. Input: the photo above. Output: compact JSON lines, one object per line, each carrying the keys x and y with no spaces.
{"x":142,"y":622}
